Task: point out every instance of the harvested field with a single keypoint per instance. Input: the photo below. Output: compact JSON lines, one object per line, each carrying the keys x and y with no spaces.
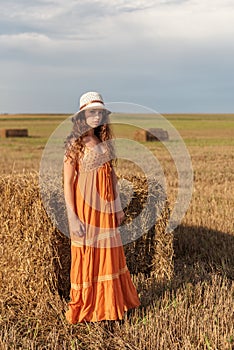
{"x":187,"y":306}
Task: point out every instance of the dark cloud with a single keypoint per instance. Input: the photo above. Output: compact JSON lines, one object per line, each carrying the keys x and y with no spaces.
{"x":128,"y":50}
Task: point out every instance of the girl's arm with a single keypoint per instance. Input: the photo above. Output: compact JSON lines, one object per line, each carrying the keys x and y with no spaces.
{"x":118,"y":207}
{"x":69,"y":175}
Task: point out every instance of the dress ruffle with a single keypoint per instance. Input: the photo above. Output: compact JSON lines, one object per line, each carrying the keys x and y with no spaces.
{"x":101,"y":285}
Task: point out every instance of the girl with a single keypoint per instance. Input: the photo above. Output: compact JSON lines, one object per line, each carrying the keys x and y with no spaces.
{"x":101,"y":286}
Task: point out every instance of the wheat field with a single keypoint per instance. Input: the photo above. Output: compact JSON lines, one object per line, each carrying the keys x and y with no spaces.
{"x":192,"y":308}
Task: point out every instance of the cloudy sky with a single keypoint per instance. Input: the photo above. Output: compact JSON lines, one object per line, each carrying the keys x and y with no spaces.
{"x":168,"y":55}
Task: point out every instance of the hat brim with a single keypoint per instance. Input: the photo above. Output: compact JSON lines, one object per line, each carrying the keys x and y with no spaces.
{"x":94,"y":105}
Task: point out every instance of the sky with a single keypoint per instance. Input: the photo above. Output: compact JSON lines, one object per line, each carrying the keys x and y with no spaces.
{"x":173,"y":56}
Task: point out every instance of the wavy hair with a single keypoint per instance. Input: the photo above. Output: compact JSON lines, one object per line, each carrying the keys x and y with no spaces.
{"x":74,"y":143}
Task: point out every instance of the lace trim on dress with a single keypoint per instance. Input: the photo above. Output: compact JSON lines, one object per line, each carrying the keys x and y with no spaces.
{"x":78,"y":286}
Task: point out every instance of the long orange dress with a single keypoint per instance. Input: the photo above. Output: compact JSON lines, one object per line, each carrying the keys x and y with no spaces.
{"x":101,"y":285}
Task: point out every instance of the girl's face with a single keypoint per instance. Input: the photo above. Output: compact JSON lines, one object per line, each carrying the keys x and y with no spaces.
{"x":94,"y":117}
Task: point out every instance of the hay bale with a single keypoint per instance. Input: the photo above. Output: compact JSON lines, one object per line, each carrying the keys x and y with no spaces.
{"x":153,"y":250}
{"x":151,"y":134}
{"x":29,"y":280}
{"x":13,"y":132}
{"x":140,"y":135}
{"x":35,"y":256}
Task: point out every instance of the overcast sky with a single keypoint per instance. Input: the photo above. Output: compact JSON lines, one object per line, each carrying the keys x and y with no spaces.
{"x":168,"y":55}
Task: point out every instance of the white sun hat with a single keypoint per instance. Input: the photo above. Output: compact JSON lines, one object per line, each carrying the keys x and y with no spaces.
{"x":91,"y":100}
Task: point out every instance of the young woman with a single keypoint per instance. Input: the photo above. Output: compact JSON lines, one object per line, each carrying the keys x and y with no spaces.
{"x":101,"y":285}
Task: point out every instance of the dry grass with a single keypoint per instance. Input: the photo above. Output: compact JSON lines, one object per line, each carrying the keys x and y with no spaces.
{"x":194,"y":310}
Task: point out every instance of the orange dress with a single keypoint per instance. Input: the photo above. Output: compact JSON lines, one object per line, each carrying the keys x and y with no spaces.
{"x":101,"y":285}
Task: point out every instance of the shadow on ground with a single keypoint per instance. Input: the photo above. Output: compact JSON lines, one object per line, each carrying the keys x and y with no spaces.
{"x":200,"y":251}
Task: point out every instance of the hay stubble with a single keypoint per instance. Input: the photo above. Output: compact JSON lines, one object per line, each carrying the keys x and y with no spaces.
{"x":193,"y":310}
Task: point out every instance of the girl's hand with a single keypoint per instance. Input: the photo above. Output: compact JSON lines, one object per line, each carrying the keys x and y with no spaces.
{"x":120,"y":216}
{"x":77,"y":227}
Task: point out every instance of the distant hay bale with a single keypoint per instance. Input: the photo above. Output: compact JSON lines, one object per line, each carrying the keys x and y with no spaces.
{"x":35,"y":256}
{"x":13,"y":132}
{"x":152,"y":134}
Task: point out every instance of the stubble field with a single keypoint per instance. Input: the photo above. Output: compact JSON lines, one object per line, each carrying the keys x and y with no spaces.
{"x":192,"y":310}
